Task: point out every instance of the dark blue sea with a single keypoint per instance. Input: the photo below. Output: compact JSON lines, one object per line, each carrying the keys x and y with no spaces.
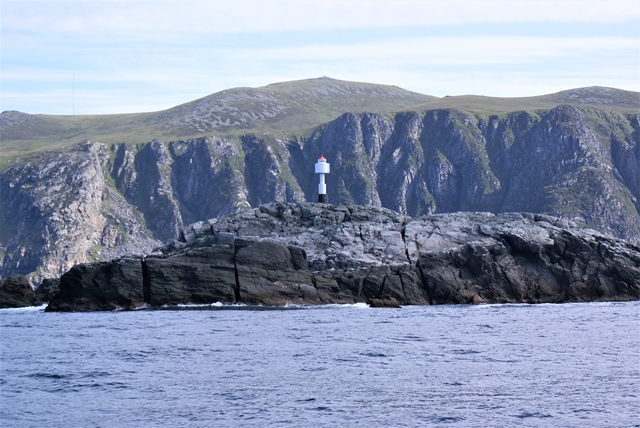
{"x":569,"y":365}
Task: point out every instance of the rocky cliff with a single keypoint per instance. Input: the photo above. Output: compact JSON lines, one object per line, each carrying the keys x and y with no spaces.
{"x":95,"y":202}
{"x":58,"y":210}
{"x":306,"y":253}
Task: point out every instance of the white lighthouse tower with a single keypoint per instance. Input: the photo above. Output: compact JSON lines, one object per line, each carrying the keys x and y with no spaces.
{"x":322,"y":168}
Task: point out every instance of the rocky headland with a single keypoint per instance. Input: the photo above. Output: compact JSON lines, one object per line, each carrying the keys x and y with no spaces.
{"x":307,"y":253}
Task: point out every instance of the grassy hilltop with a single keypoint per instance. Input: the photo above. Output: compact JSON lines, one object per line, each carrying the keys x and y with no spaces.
{"x":597,"y":97}
{"x":279,"y":108}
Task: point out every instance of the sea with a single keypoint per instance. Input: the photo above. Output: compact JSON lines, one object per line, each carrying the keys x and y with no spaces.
{"x":545,"y":365}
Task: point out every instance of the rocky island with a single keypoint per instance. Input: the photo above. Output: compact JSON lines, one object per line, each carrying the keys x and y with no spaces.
{"x":310,"y":253}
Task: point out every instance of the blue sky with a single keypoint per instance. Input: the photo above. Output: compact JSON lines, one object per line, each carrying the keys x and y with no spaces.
{"x":114,"y":56}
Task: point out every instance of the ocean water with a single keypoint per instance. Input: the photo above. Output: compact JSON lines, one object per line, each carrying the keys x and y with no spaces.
{"x":569,"y":365}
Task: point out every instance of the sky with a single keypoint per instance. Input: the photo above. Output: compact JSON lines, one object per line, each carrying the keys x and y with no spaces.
{"x":104,"y":57}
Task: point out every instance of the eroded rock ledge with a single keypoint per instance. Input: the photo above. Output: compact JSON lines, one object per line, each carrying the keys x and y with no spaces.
{"x":306,"y":253}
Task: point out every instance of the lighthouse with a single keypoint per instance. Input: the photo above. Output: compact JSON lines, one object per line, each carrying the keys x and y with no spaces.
{"x":322,"y":168}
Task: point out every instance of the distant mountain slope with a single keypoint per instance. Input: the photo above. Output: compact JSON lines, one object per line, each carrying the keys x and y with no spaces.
{"x":288,"y":106}
{"x":599,"y":97}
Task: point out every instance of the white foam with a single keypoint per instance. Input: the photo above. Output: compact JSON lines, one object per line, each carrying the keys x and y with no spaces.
{"x":488,"y":305}
{"x":192,"y":305}
{"x":26,"y":308}
{"x":294,"y":305}
{"x":202,"y":305}
{"x":347,"y":305}
{"x":143,"y":306}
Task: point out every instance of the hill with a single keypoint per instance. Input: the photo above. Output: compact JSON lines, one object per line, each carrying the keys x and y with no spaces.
{"x":280,"y":107}
{"x":594,"y":97}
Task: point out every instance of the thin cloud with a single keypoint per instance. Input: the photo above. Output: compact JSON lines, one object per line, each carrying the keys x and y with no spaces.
{"x":450,"y":51}
{"x":205,"y":17}
{"x":154,"y":55}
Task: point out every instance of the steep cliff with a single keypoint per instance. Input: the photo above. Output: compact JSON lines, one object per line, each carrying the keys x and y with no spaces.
{"x":58,"y":211}
{"x":581,"y":164}
{"x":93,"y":202}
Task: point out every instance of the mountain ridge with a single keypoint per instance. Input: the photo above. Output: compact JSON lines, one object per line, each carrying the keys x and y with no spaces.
{"x":595,"y":97}
{"x":280,"y":108}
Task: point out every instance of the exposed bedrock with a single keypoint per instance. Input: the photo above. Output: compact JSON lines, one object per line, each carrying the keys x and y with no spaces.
{"x":100,"y":286}
{"x":16,"y":292}
{"x":306,"y":253}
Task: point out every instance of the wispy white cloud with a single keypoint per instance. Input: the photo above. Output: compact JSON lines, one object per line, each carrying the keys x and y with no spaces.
{"x":133,"y":55}
{"x":245,"y":16}
{"x":157,"y":67}
{"x":449,"y":51}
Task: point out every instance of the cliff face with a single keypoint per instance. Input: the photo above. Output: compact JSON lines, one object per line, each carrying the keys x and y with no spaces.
{"x":306,"y":253}
{"x":57,"y":211}
{"x":568,"y":162}
{"x":94,"y":202}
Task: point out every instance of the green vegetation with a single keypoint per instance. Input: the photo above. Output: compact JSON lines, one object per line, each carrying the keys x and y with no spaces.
{"x":93,"y":253}
{"x":281,"y":109}
{"x":597,"y":97}
{"x":608,"y":125}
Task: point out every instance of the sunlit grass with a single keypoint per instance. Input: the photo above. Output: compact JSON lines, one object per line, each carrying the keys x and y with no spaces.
{"x":280,"y":109}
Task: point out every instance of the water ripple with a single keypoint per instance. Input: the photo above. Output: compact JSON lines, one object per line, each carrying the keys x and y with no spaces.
{"x":457,"y":366}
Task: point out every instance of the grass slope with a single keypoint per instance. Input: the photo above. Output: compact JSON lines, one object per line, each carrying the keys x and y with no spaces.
{"x":288,"y":107}
{"x":597,"y":97}
{"x":285,"y":107}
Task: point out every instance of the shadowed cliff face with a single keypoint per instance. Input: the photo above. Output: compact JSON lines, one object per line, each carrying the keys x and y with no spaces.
{"x":93,"y":203}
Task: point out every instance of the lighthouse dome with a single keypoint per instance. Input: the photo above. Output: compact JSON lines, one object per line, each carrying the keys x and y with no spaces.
{"x":322,"y":166}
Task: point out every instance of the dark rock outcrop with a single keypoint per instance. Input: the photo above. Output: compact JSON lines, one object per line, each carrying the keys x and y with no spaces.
{"x":305,"y":253}
{"x":16,"y":292}
{"x":202,"y":275}
{"x":270,"y":273}
{"x":47,"y":289}
{"x":101,"y":286}
{"x":523,"y":258}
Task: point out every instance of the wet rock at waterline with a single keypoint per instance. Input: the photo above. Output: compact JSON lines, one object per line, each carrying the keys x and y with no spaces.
{"x":101,"y":286}
{"x":16,"y":292}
